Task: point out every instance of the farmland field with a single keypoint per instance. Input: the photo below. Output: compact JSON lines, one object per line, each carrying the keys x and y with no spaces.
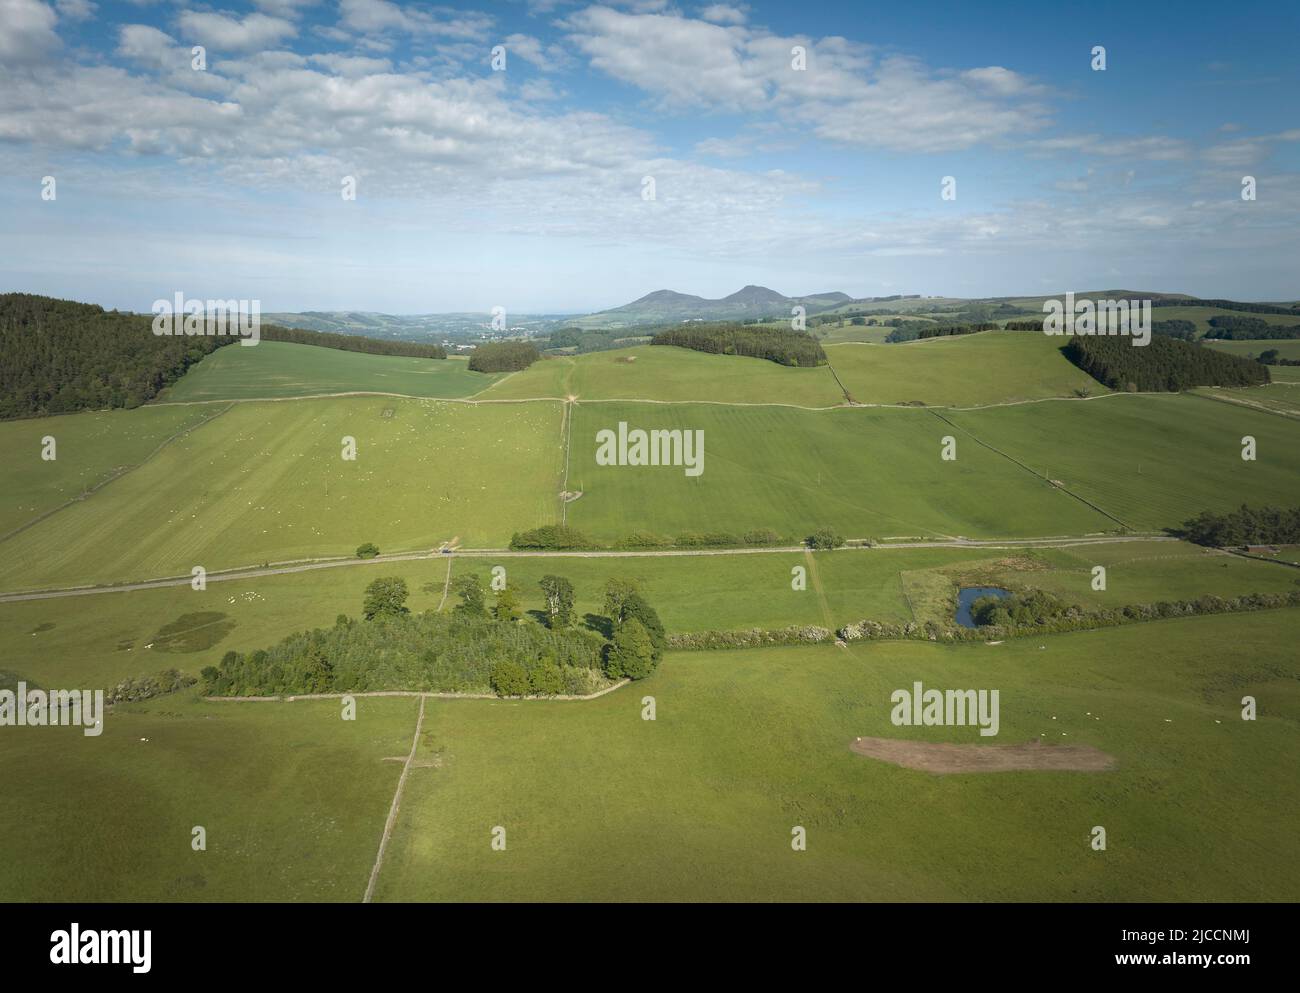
{"x":109,"y":637}
{"x":266,"y":482}
{"x":1151,"y":461}
{"x":665,"y":372}
{"x":285,"y":369}
{"x":293,"y":800}
{"x":699,"y":804}
{"x":961,"y":371}
{"x":1287,"y":349}
{"x":1281,"y":397}
{"x":866,"y":472}
{"x":90,"y":448}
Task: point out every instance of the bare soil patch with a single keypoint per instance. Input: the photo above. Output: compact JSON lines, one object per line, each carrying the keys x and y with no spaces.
{"x":943,"y":759}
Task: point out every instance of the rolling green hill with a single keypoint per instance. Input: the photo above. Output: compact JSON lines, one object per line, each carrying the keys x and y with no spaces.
{"x":664,"y":372}
{"x":266,"y":482}
{"x":966,"y":371}
{"x":280,"y":369}
{"x":866,"y":472}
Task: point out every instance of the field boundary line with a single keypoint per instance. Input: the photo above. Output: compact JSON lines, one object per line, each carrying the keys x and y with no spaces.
{"x":123,"y":471}
{"x":567,"y":427}
{"x":392,"y":810}
{"x":1064,"y":489}
{"x":425,"y":694}
{"x":1059,"y":541}
{"x":446,"y":585}
{"x":1248,"y":404}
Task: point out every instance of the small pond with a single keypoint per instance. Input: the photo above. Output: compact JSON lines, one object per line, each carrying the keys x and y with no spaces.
{"x":967,"y":595}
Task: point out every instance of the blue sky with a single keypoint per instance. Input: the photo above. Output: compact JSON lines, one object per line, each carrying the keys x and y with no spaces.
{"x":523,"y":188}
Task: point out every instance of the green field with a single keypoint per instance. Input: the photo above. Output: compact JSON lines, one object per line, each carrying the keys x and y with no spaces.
{"x":664,"y":372}
{"x":962,"y":371}
{"x":284,"y":369}
{"x":1151,"y":461}
{"x":699,"y":804}
{"x":866,"y":472}
{"x":102,"y":639}
{"x":293,"y":800}
{"x":90,"y":449}
{"x":1281,"y":397}
{"x":1287,"y":349}
{"x":1137,"y":572}
{"x":266,"y":482}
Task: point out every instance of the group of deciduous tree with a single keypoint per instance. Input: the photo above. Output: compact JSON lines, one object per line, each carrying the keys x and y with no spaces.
{"x":1245,"y":526}
{"x":503,"y":356}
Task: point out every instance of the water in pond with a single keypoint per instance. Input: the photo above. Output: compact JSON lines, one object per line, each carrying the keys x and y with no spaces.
{"x":967,"y":595}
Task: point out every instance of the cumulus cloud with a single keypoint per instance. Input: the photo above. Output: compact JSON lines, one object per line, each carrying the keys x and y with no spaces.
{"x":26,"y":31}
{"x":379,"y":16}
{"x":845,"y":94}
{"x":233,"y":35}
{"x":721,"y":13}
{"x":76,"y":10}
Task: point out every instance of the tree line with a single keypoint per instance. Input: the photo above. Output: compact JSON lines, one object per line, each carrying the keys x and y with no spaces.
{"x":1245,"y":526}
{"x":1163,"y":364}
{"x":791,"y":348}
{"x":503,"y":356}
{"x":1232,"y":328}
{"x":62,"y":356}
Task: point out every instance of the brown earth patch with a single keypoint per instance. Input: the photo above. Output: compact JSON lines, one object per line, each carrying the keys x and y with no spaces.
{"x":942,"y":759}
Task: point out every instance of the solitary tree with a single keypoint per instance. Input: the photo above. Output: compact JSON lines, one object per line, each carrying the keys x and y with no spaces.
{"x":473,"y":602}
{"x":559,"y":600}
{"x":385,"y":597}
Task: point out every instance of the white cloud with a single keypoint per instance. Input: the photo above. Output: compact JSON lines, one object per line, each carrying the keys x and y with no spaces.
{"x":284,"y":8}
{"x":230,"y":34}
{"x":378,"y":16}
{"x":845,"y":94}
{"x":1157,"y":148}
{"x":26,"y":31}
{"x":76,"y":10}
{"x":721,"y":13}
{"x":149,"y":46}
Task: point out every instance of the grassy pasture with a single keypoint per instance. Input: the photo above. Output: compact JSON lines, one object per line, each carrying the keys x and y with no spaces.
{"x":1287,"y":349}
{"x":866,"y":472}
{"x":1277,"y":396}
{"x":665,"y":372}
{"x":90,"y":447}
{"x":285,"y":369}
{"x":99,"y":640}
{"x":293,"y":800}
{"x":1200,"y":316}
{"x":963,"y":371}
{"x":699,"y":804}
{"x":1152,"y":461}
{"x":266,"y":482}
{"x":1136,"y":572}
